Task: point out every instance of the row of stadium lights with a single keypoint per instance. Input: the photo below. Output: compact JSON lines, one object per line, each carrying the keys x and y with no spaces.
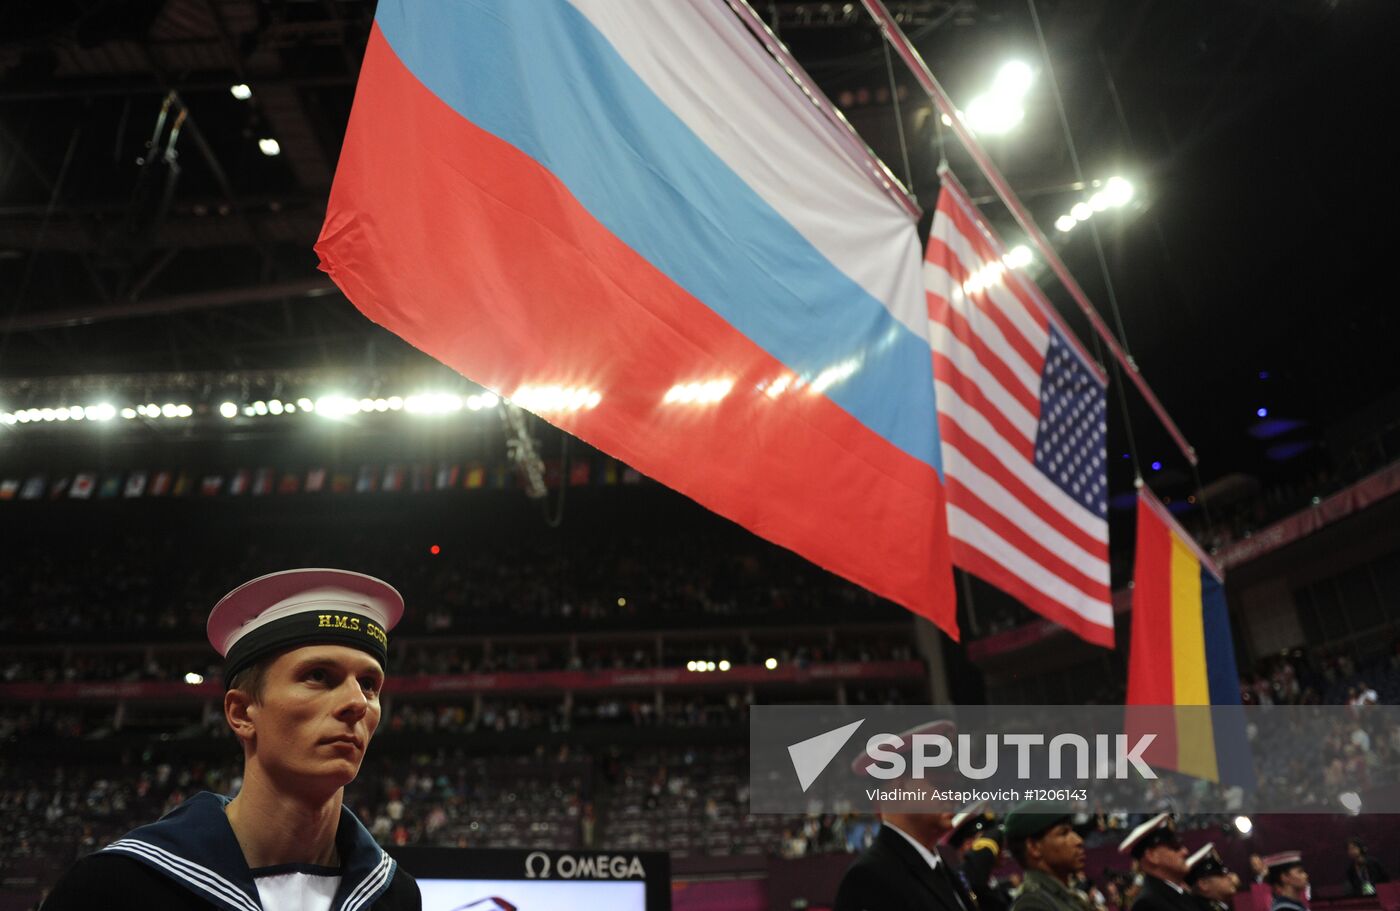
{"x":538,"y":399}
{"x":1115,"y":193}
{"x":543,"y":400}
{"x":705,"y":667}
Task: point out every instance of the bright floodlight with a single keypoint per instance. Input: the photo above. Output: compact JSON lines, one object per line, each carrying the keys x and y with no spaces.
{"x":306,"y":404}
{"x":1352,"y":801}
{"x":129,"y":413}
{"x":1081,"y":211}
{"x":194,"y":679}
{"x":1019,"y":257}
{"x":724,"y":665}
{"x":1244,"y":825}
{"x":490,"y":400}
{"x":76,"y":413}
{"x":994,"y":113}
{"x":1013,"y":80}
{"x":228,"y":410}
{"x":1066,"y":223}
{"x":269,"y":147}
{"x":260,"y":408}
{"x":184,"y":411}
{"x":169,"y":409}
{"x":771,"y":663}
{"x":275,"y":406}
{"x":690,"y":666}
{"x":240,"y":91}
{"x":1117,"y":191}
{"x":1099,"y":201}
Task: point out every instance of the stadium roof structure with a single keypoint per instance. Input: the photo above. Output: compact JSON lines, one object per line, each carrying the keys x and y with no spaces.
{"x":146,"y":229}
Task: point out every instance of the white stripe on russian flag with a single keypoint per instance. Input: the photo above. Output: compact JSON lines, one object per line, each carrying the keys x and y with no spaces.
{"x":853,"y":224}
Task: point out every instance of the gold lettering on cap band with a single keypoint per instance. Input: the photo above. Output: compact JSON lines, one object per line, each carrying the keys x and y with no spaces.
{"x":341,"y":621}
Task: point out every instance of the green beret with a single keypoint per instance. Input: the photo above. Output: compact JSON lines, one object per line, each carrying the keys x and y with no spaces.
{"x":1034,"y":818}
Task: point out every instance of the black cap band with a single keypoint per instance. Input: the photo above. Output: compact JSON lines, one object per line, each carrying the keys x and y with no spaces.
{"x":1162,"y":835}
{"x":329,"y":627}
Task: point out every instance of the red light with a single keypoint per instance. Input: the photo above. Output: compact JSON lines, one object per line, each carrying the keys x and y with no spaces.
{"x":435,"y":550}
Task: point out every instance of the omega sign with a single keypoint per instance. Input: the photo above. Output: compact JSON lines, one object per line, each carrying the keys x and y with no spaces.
{"x":539,"y":865}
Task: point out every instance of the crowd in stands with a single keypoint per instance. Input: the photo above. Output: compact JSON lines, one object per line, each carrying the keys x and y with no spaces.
{"x":139,"y":586}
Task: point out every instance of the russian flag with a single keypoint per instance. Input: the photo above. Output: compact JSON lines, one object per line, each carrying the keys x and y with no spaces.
{"x":628,"y":218}
{"x":1182,"y":654}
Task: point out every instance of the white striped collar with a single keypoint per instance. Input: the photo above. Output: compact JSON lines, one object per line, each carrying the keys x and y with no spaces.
{"x":194,"y":846}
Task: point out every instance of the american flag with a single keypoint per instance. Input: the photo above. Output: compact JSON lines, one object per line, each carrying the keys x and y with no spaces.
{"x":1022,"y":417}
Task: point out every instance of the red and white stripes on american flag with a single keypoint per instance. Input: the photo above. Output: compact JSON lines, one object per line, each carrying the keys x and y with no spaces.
{"x":1021,"y":411}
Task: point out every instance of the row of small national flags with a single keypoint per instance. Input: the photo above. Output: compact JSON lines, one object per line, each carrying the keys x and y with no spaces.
{"x":257,"y":482}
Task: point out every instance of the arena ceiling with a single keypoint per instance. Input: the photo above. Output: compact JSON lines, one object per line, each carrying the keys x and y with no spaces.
{"x":143,"y":230}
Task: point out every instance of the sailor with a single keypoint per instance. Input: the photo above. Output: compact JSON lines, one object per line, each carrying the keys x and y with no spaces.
{"x":305,"y":652}
{"x":975,"y":841}
{"x":902,"y":870}
{"x":1209,"y":879}
{"x":1289,"y":881}
{"x":1162,"y":859}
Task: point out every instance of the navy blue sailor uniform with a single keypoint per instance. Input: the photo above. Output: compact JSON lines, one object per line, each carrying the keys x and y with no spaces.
{"x":190,"y":859}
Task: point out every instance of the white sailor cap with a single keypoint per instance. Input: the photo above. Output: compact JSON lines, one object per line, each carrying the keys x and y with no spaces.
{"x":1159,"y":830}
{"x":943,"y":726}
{"x":1205,"y":862}
{"x":1280,"y":863}
{"x":298,"y":607}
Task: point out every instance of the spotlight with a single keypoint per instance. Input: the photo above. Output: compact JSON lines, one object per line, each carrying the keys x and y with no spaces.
{"x":128,"y":413}
{"x":194,"y":679}
{"x":1352,"y":801}
{"x":435,"y":550}
{"x":994,"y":113}
{"x":1066,"y":223}
{"x":1019,"y":257}
{"x":1117,"y":191}
{"x":1081,"y":211}
{"x":690,"y":666}
{"x":306,"y":404}
{"x":169,"y":410}
{"x":1262,"y":412}
{"x":1244,"y":825}
{"x":724,"y":665}
{"x":275,"y":407}
{"x":240,"y":91}
{"x":228,"y":410}
{"x":771,"y":663}
{"x":1013,"y":79}
{"x":269,"y":147}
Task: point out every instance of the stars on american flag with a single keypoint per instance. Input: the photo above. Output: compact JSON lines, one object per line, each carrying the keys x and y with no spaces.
{"x":1072,"y":435}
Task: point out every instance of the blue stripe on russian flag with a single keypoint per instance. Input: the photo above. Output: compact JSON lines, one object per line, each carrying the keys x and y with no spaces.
{"x":650,"y":180}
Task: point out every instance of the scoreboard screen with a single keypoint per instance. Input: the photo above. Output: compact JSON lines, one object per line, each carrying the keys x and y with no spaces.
{"x":469,"y":879}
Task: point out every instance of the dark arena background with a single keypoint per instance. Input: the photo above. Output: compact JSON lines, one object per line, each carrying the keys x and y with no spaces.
{"x":188,"y":403}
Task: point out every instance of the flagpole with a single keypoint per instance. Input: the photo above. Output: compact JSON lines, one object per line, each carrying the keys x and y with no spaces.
{"x":900,"y":42}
